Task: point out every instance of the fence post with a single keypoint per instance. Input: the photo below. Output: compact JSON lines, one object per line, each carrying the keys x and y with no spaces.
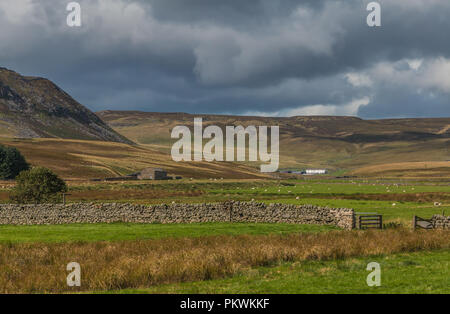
{"x":64,"y":197}
{"x":381,"y":222}
{"x":414,"y":222}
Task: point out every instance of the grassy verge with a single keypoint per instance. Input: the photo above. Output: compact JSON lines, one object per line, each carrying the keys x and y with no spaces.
{"x":40,"y":267}
{"x":420,"y":272}
{"x":127,"y":231}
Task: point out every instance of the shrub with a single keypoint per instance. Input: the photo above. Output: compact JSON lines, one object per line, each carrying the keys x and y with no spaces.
{"x":38,"y":185}
{"x":11,"y":162}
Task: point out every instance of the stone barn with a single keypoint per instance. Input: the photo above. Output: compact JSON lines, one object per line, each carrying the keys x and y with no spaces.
{"x":152,"y":174}
{"x":145,"y":174}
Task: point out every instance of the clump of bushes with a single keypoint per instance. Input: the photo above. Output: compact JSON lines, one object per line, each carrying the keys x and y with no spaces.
{"x":38,"y":185}
{"x":11,"y":163}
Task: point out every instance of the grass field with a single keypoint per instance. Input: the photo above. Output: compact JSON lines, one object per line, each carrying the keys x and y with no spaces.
{"x":419,"y":272}
{"x":231,"y":257}
{"x":118,"y":265}
{"x":397,"y":201}
{"x":122,"y":231}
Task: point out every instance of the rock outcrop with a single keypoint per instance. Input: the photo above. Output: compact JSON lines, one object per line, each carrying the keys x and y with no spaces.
{"x":33,"y":107}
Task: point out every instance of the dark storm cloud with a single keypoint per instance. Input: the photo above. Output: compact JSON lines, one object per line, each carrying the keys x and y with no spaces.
{"x":245,"y":15}
{"x":263,"y":56}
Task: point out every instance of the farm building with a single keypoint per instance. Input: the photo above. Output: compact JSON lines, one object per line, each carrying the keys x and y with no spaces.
{"x":151,"y":174}
{"x":315,"y":171}
{"x":145,"y":174}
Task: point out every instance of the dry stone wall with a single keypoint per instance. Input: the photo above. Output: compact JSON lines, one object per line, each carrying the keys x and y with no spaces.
{"x":175,"y":213}
{"x":440,"y":222}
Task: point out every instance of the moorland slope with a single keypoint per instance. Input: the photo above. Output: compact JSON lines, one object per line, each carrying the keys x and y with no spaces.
{"x":336,"y":143}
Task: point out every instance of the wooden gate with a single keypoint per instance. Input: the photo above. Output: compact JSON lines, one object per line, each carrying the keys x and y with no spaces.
{"x":366,"y":221}
{"x":422,"y":223}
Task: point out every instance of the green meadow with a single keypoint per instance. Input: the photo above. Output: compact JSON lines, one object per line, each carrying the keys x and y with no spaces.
{"x":420,"y":272}
{"x":129,"y":232}
{"x":425,"y":271}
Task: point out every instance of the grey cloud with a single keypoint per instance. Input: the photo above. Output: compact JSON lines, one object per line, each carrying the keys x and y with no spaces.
{"x":228,"y":56}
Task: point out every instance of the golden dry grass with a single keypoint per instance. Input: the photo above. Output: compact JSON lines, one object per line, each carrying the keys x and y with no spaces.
{"x":31,"y":268}
{"x":426,"y":167}
{"x":81,"y":159}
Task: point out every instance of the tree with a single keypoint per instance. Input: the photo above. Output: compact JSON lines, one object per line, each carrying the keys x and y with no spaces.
{"x":38,"y":185}
{"x":11,"y":162}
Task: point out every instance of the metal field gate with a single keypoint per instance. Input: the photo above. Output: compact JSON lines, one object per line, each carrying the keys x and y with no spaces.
{"x":368,"y":221}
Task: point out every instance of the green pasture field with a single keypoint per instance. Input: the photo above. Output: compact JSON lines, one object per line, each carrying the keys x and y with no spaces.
{"x":374,"y":196}
{"x":319,"y":192}
{"x":302,"y":187}
{"x":126,"y":231}
{"x":316,"y":192}
{"x":276,"y":187}
{"x":421,"y":272}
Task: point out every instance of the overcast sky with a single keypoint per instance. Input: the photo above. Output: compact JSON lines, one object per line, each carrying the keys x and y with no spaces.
{"x":266,"y":57}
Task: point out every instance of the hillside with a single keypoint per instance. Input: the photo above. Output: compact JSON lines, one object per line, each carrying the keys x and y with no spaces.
{"x":33,"y":107}
{"x":337,"y":143}
{"x":81,"y":159}
{"x":54,"y":130}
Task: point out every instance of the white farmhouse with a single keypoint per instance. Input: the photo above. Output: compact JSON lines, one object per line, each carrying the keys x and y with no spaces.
{"x":315,"y":171}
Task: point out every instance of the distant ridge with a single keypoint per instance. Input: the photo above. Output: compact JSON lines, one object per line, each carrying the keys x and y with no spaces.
{"x":34,"y":107}
{"x":331,"y":142}
{"x":345,"y":128}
